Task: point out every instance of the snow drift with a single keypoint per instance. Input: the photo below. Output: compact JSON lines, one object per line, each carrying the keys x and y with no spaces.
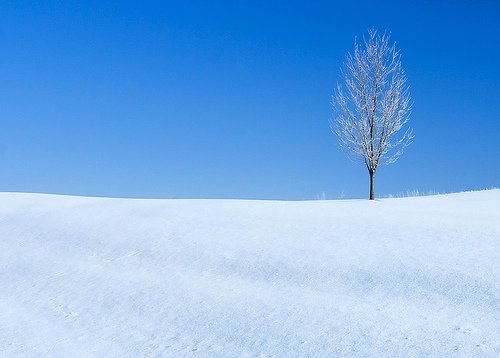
{"x":405,"y":277}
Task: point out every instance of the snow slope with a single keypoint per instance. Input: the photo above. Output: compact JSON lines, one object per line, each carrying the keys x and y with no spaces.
{"x":410,"y":277}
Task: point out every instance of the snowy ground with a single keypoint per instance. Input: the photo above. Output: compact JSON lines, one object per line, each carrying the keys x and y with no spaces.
{"x":410,"y":277}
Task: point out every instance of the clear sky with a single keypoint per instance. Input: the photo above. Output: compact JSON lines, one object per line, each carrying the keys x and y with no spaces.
{"x":208,"y":99}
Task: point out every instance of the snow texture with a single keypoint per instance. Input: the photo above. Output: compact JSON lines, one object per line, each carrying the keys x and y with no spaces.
{"x":408,"y":277}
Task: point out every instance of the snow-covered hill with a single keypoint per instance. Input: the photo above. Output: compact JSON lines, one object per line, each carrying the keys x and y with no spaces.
{"x":411,"y":277}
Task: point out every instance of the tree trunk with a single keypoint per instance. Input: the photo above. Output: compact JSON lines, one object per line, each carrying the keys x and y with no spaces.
{"x":372,"y":185}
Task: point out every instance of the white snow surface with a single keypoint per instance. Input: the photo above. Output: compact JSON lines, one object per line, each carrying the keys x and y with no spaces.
{"x":409,"y":277}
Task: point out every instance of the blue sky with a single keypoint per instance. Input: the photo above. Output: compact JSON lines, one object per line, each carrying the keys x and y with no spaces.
{"x":231,"y":99}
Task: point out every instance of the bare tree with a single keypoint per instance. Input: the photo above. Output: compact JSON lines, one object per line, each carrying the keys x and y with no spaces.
{"x":373,"y":104}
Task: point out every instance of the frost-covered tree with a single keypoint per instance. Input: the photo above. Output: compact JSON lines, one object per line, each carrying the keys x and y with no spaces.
{"x":372,"y":104}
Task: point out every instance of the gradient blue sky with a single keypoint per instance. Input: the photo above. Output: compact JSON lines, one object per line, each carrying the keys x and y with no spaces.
{"x":207,"y":99}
